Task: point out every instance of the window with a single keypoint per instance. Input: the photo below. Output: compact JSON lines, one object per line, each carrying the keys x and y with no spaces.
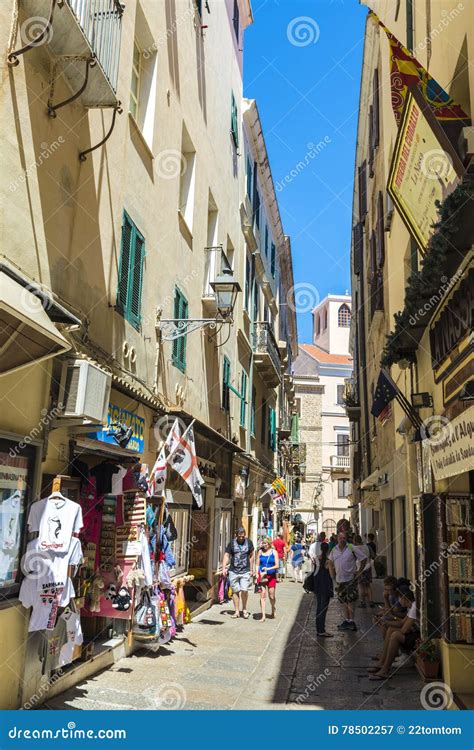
{"x":380,"y":229}
{"x":180,"y":545}
{"x":187,"y":185}
{"x":256,"y":290}
{"x":273,"y":260}
{"x":358,"y":240}
{"x":325,"y":319}
{"x":136,"y":75}
{"x":248,"y":282}
{"x":235,"y":20}
{"x":344,"y":316}
{"x":243,"y":396}
{"x":132,"y":254}
{"x":272,"y":429}
{"x":179,"y":345}
{"x":225,"y":384}
{"x":16,"y":491}
{"x":253,"y":409}
{"x":266,"y":241}
{"x":318,"y":325}
{"x":263,"y":436}
{"x":340,"y":395}
{"x":362,"y":191}
{"x":234,"y":121}
{"x":343,"y":487}
{"x":249,"y":178}
{"x":199,"y":6}
{"x":256,"y":207}
{"x":342,"y":444}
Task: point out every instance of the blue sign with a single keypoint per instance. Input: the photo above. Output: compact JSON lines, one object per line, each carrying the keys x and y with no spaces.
{"x":116,"y":418}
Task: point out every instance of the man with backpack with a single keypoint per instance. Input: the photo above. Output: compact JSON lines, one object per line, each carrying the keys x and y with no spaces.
{"x":239,"y":564}
{"x":343,"y":567}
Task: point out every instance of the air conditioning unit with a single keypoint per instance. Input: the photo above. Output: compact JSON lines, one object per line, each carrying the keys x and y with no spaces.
{"x":84,"y":391}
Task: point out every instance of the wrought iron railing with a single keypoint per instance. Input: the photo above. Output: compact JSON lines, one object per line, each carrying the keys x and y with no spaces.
{"x":264,"y":343}
{"x":101,"y":23}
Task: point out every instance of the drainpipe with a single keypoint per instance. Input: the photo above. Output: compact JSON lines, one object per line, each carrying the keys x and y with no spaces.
{"x":409,"y":8}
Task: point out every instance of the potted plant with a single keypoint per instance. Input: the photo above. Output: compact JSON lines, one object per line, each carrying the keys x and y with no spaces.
{"x":427,"y":659}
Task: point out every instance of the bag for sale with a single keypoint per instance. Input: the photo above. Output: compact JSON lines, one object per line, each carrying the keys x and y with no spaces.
{"x":145,"y":614}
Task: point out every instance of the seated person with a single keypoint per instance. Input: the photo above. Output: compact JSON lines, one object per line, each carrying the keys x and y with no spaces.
{"x":403,"y":637}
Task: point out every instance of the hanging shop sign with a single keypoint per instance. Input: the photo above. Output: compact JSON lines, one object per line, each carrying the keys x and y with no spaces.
{"x":453,"y":453}
{"x":452,"y":337}
{"x":120,"y":425}
{"x":425,"y":168}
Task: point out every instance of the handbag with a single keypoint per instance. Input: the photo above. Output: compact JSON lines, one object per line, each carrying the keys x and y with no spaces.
{"x":308,"y":583}
{"x":145,"y":615}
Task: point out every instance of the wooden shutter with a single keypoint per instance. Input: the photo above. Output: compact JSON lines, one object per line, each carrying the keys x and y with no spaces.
{"x":177,"y":306}
{"x":363,"y":191}
{"x":253,"y":410}
{"x":124,"y":270}
{"x":243,"y":396}
{"x":380,"y":231}
{"x":273,"y":259}
{"x":249,"y":178}
{"x":376,"y":110}
{"x":234,"y":125}
{"x":179,"y":344}
{"x":136,"y":279}
{"x":358,"y":240}
{"x":183,"y":339}
{"x":225,"y":384}
{"x":264,"y":421}
{"x":371,"y":142}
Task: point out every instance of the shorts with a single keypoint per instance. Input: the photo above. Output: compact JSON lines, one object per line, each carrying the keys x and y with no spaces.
{"x":271,"y":581}
{"x":347,"y":591}
{"x":365,"y":577}
{"x":409,"y":643}
{"x":239,"y":581}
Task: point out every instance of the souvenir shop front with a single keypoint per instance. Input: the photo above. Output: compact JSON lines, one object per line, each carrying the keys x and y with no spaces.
{"x":100,"y":574}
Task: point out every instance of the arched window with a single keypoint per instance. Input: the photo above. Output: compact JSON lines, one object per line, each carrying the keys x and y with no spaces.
{"x":318,"y":325}
{"x":343,"y":316}
{"x":325,"y":319}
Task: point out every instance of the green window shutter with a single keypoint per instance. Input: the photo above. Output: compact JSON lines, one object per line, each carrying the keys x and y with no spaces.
{"x":264,"y":421}
{"x":132,"y":254}
{"x":273,"y":259}
{"x":136,"y":280}
{"x":225,"y":384}
{"x":274,"y":430}
{"x":179,"y":345}
{"x":234,"y":126}
{"x":124,"y":269}
{"x":243,"y":396}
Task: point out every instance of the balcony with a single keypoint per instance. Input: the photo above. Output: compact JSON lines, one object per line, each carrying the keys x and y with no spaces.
{"x":86,"y":34}
{"x":267,"y":357}
{"x":351,"y":400}
{"x":340,"y":463}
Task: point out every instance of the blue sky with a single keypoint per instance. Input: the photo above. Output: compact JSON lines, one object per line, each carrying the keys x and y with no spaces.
{"x":302,"y":63}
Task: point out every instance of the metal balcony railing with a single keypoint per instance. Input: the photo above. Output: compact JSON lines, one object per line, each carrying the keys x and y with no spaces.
{"x":101,"y":23}
{"x":264,"y":343}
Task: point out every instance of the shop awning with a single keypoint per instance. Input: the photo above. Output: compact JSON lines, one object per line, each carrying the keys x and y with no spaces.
{"x":371,"y":481}
{"x":26,"y":332}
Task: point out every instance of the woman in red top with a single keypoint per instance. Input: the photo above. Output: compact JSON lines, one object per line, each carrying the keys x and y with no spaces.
{"x":280,"y":545}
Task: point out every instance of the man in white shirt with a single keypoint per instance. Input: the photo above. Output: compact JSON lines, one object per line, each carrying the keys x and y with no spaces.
{"x":343,"y":560}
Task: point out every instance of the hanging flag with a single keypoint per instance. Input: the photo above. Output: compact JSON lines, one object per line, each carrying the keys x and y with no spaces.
{"x":158,"y":473}
{"x":183,"y":459}
{"x":406,"y":72}
{"x":385,"y":392}
{"x":278,"y":486}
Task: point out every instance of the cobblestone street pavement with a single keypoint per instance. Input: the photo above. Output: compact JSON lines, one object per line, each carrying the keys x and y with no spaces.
{"x":221,"y":663}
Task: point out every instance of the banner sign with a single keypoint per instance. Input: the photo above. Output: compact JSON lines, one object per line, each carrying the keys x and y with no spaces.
{"x":118,"y":416}
{"x":453,"y":452}
{"x":425,"y":168}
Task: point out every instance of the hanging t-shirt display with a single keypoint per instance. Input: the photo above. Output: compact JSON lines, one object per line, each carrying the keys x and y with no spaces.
{"x":56,"y":518}
{"x":47,"y":585}
{"x":74,"y":637}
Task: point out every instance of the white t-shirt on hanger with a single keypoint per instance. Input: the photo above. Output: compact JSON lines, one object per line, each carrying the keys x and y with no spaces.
{"x":9,"y":521}
{"x":74,"y":637}
{"x":56,"y":518}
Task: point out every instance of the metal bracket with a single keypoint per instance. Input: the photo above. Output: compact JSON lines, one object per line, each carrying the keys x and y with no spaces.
{"x":90,"y":62}
{"x":83,"y":154}
{"x":172,"y":328}
{"x":12,"y":58}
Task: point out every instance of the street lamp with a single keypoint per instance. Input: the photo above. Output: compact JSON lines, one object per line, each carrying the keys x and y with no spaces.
{"x":226,"y":287}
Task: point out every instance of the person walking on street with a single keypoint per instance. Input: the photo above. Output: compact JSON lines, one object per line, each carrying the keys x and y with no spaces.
{"x":280,"y":545}
{"x":323,"y":588}
{"x":343,"y":567}
{"x":297,"y":559}
{"x":267,"y":566}
{"x":365,"y":577}
{"x":238,"y":563}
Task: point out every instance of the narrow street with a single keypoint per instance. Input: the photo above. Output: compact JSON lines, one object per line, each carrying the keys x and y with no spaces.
{"x":221,"y":663}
